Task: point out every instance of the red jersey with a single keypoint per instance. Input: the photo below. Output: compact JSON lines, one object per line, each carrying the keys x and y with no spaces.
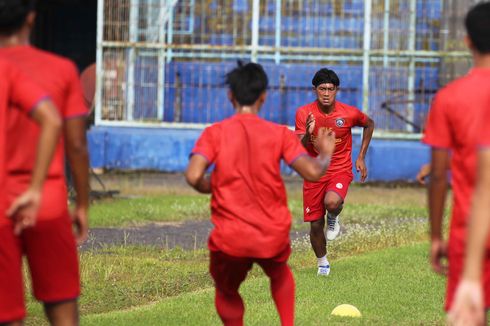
{"x":341,"y":120}
{"x":16,"y":89}
{"x":59,"y":78}
{"x":453,"y":124}
{"x":248,"y":202}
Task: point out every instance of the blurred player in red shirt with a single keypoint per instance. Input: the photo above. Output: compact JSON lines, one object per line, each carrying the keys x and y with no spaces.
{"x":248,"y":202}
{"x":328,"y":194}
{"x":50,"y":247}
{"x":472,"y":295}
{"x":18,"y":92}
{"x":454,"y":132}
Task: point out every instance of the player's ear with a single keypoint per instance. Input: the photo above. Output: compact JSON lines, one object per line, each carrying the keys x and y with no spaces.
{"x":262,"y":97}
{"x":468,"y":42}
{"x":231,"y":98}
{"x":31,"y":20}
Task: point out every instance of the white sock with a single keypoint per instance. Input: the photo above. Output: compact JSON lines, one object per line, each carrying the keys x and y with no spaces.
{"x":322,"y":261}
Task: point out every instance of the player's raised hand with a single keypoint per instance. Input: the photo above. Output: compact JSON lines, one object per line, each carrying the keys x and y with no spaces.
{"x":325,"y":141}
{"x":467,"y":307}
{"x":310,"y":124}
{"x":80,"y":221}
{"x":438,"y":253}
{"x":24,"y":210}
{"x":361,"y":167}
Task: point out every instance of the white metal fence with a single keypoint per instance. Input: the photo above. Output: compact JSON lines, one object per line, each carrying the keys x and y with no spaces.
{"x":162,"y":62}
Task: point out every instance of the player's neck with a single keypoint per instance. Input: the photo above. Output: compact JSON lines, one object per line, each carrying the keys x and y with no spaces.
{"x":246,"y":109}
{"x":17,"y":39}
{"x":481,"y":60}
{"x":326,"y":109}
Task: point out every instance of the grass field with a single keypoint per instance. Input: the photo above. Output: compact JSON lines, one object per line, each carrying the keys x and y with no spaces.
{"x":393,"y":286}
{"x":380,"y":265}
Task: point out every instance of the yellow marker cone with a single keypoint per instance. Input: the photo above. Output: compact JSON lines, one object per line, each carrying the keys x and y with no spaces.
{"x":346,"y":310}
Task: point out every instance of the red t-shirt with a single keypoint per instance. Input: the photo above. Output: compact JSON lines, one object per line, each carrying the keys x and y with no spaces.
{"x":248,"y":203}
{"x":453,"y":124}
{"x":59,"y":78}
{"x":341,"y":120}
{"x":16,"y":89}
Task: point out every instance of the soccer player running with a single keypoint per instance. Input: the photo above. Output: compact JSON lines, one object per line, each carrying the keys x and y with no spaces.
{"x":50,"y":247}
{"x":328,"y":194}
{"x":248,"y":198}
{"x":453,"y":131}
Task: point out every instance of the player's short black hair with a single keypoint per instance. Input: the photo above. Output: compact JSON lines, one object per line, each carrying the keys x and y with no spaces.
{"x":477,"y":24}
{"x":247,"y":82}
{"x":325,"y":76}
{"x":13,"y":14}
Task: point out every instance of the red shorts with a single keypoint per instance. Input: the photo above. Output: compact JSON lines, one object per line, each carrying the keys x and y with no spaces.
{"x":229,"y":272}
{"x":54,"y":198}
{"x":456,"y":266}
{"x":314,"y":194}
{"x":51,"y":252}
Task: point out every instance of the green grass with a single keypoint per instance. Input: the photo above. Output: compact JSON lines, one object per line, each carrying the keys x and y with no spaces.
{"x":393,"y":286}
{"x":121,"y":278}
{"x":363,"y":205}
{"x":156,"y":208}
{"x":156,"y":283}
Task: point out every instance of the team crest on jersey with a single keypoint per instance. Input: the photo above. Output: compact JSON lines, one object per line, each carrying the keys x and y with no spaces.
{"x":339,"y":122}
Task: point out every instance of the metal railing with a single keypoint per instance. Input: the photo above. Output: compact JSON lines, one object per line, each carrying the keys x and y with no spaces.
{"x":162,"y":62}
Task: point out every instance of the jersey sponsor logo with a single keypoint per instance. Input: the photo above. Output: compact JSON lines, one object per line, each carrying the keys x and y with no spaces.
{"x":340,"y":122}
{"x":339,"y":185}
{"x":307,"y":210}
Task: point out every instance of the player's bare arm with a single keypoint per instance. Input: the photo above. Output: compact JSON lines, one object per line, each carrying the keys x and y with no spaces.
{"x":367,"y":134}
{"x":77,"y":154}
{"x":310,"y":126}
{"x":24,"y":209}
{"x":195,"y":174}
{"x":437,"y":197}
{"x":313,"y":169}
{"x":468,"y":304}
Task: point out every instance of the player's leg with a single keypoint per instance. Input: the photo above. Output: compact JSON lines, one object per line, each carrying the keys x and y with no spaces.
{"x":334,"y":205}
{"x":314,"y":212}
{"x":63,"y":313}
{"x":12,"y":308}
{"x":228,"y":273}
{"x":336,"y":192}
{"x":282,"y":285}
{"x":317,"y":237}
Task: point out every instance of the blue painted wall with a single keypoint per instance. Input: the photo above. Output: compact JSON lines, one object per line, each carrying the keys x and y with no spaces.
{"x":167,"y":150}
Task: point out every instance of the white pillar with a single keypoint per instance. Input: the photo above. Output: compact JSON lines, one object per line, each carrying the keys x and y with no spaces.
{"x":366,"y":55}
{"x":278,"y":31}
{"x":99,"y":86}
{"x":411,"y":65}
{"x":255,"y":29}
{"x":133,"y":37}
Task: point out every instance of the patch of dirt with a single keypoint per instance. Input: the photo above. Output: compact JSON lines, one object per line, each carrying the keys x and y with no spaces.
{"x":190,"y":235}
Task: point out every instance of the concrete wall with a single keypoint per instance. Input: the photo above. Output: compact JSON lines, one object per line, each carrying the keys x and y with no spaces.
{"x":167,"y":150}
